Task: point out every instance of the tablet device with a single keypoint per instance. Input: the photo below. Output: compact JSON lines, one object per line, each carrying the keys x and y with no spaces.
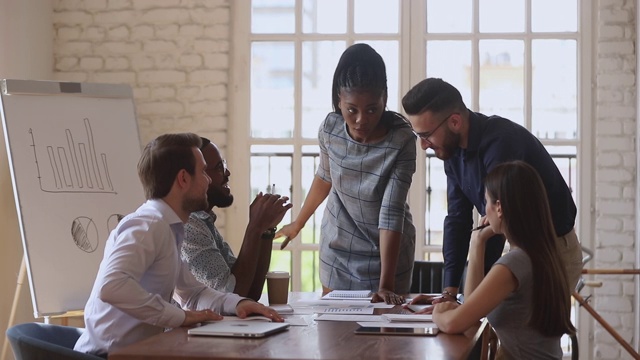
{"x":416,"y":331}
{"x":253,"y":329}
{"x":408,"y":317}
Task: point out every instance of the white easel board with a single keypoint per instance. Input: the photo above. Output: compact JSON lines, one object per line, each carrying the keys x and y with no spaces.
{"x":73,"y":150}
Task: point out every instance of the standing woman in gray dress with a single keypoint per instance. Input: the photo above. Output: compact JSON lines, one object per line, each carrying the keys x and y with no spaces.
{"x":367,"y":160}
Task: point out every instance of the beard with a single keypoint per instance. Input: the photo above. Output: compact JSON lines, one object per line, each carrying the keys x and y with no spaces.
{"x":449,"y":146}
{"x":219,"y":197}
{"x":193,"y":204}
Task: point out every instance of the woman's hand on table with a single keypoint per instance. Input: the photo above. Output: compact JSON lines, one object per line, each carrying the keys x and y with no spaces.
{"x":388,"y":297}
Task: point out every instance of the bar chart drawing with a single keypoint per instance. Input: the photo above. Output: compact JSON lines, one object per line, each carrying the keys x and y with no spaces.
{"x":72,"y":166}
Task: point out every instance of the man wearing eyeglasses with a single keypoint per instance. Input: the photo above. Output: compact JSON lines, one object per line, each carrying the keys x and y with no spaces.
{"x":471,"y":144}
{"x":210,"y":258}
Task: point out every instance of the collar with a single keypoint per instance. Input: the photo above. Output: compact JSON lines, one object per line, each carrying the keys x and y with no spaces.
{"x":176,"y":225}
{"x":167,"y":212}
{"x":475,"y":134}
{"x":205,"y":215}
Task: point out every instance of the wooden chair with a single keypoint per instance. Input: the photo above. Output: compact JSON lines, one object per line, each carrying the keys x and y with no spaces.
{"x":489,"y":343}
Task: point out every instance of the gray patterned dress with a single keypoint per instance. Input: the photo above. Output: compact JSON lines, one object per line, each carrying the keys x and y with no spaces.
{"x":370,"y":183}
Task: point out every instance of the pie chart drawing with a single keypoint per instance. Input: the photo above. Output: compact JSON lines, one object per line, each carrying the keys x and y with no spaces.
{"x":85,"y":234}
{"x":113,"y":221}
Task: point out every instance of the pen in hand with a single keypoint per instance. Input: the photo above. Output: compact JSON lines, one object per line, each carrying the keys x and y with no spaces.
{"x":286,"y":239}
{"x":285,"y":242}
{"x":480,"y":227}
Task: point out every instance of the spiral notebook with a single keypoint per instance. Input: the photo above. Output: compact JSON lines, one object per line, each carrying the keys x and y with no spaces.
{"x":348,"y":295}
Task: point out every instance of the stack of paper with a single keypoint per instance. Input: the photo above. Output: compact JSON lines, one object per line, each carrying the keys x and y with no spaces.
{"x":348,"y":295}
{"x":352,"y":310}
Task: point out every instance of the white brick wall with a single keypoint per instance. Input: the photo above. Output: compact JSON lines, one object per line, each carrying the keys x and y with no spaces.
{"x":615,"y":173}
{"x":175,"y":55}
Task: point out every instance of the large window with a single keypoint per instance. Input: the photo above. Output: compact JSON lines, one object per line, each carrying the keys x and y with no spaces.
{"x":515,"y":58}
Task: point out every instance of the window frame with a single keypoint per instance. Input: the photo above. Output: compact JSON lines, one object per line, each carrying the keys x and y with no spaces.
{"x":412,"y":16}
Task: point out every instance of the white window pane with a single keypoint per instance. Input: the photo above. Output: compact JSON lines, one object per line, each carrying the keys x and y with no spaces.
{"x":319,"y":60}
{"x":376,"y":16}
{"x":554,"y":15}
{"x":554,"y":89}
{"x":502,"y":79}
{"x":566,"y":161}
{"x":451,"y":61}
{"x":434,"y":256}
{"x":310,"y":273}
{"x":501,"y":16}
{"x":271,"y":170}
{"x":436,"y":201}
{"x":280,"y":261}
{"x":311,"y":231}
{"x":273,"y":16}
{"x":452,"y":16}
{"x":272,"y":81}
{"x":324,"y":16}
{"x":389,"y":52}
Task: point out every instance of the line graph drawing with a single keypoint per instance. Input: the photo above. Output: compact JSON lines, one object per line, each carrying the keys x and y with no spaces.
{"x":73,"y":166}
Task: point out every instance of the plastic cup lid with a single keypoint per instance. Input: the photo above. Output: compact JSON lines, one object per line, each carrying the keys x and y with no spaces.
{"x":278,"y":274}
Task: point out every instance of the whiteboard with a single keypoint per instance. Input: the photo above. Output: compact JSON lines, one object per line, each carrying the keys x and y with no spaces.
{"x":73,"y":150}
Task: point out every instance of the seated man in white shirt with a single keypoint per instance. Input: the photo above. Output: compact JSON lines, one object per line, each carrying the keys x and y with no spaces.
{"x":210,"y":258}
{"x":141,"y":269}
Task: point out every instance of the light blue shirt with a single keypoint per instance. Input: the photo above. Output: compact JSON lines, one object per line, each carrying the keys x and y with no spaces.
{"x":139,"y":272}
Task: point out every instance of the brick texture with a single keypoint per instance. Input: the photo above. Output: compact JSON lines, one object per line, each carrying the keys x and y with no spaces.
{"x":615,"y":173}
{"x":175,"y":55}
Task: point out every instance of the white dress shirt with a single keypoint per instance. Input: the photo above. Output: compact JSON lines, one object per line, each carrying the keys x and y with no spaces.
{"x":140,"y":270}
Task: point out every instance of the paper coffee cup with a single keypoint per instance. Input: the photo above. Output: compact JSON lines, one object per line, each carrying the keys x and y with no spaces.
{"x":278,"y":287}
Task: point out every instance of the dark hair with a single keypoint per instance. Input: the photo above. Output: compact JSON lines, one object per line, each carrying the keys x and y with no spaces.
{"x":361,"y":68}
{"x":526,"y":216}
{"x":163,"y":158}
{"x":434,"y":95}
{"x":205,"y":142}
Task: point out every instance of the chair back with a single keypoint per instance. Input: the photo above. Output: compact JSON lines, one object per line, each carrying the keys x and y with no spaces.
{"x":428,"y":277}
{"x":37,"y":341}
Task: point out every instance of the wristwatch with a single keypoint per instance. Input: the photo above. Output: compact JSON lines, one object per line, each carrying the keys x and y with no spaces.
{"x":269,"y":234}
{"x":446,"y":293}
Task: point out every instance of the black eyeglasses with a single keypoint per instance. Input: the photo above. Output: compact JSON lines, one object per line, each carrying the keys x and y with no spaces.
{"x":427,"y":134}
{"x":220,"y":167}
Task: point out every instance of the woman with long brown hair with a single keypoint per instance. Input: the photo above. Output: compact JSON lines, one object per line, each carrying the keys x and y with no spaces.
{"x":524,"y":294}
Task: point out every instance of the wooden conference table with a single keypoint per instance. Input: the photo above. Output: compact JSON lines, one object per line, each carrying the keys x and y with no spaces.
{"x":319,"y":340}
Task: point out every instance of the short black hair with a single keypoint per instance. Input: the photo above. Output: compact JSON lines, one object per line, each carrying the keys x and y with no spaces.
{"x":205,"y":142}
{"x":434,"y":95}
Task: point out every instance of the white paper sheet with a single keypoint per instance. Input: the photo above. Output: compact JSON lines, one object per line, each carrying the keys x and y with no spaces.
{"x":397,"y":325}
{"x":336,"y":317}
{"x":353,"y":309}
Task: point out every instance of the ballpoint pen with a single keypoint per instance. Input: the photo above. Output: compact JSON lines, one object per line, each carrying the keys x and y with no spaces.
{"x":286,"y":239}
{"x":285,"y":242}
{"x":480,"y":227}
